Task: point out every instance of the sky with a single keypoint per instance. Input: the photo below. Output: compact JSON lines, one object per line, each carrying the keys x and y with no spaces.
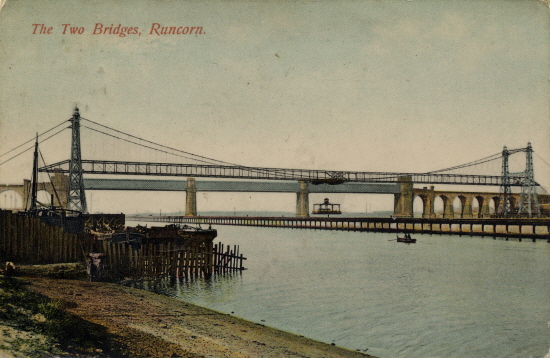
{"x":397,"y":86}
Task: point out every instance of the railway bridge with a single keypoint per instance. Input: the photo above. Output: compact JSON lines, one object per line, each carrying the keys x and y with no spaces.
{"x":404,"y":194}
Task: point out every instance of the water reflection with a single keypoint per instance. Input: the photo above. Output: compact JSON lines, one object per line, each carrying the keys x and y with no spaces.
{"x":219,"y":288}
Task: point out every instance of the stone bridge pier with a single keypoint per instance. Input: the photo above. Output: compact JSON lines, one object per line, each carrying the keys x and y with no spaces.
{"x":403,"y":201}
{"x":302,"y":200}
{"x":191,"y":198}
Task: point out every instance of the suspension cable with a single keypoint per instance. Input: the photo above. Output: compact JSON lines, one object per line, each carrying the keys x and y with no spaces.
{"x":26,"y":150}
{"x":545,"y":162}
{"x":262,"y":170}
{"x":479,"y":161}
{"x":32,"y":139}
{"x":160,"y":145}
{"x":541,"y":159}
{"x":50,"y":179}
{"x":273,"y":171}
{"x":143,"y":145}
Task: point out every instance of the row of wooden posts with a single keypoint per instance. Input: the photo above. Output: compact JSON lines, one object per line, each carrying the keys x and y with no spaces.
{"x":27,"y":240}
{"x":164,"y":260}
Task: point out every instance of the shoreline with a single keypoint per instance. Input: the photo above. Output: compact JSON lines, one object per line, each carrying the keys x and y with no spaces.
{"x":156,"y":325}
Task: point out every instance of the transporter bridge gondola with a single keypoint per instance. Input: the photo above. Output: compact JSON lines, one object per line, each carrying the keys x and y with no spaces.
{"x":326,"y":208}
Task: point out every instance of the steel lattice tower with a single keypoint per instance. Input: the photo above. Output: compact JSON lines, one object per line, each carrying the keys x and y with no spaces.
{"x":529,"y":198}
{"x":505,"y":189}
{"x":76,"y":194}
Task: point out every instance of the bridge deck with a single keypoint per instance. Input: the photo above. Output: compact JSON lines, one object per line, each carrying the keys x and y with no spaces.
{"x":236,"y":186}
{"x":242,"y":172}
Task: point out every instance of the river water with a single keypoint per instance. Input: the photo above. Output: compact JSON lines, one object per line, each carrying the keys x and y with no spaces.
{"x":445,"y":296}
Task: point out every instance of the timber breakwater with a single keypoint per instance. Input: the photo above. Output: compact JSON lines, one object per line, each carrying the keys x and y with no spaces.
{"x":508,"y":228}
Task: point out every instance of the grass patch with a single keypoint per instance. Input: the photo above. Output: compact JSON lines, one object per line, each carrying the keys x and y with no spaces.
{"x":51,"y":328}
{"x":64,"y":270}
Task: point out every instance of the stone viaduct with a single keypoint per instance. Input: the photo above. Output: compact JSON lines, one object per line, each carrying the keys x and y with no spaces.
{"x":59,"y":180}
{"x":403,"y":206}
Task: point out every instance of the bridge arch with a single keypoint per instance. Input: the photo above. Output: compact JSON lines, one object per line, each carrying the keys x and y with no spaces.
{"x":514,"y":204}
{"x":487,"y":204}
{"x":448,"y":210}
{"x":424,"y":201}
{"x":477,"y":205}
{"x":11,"y":199}
{"x":493,"y":204}
{"x":459,"y":204}
{"x":439,"y":207}
{"x":420,"y":205}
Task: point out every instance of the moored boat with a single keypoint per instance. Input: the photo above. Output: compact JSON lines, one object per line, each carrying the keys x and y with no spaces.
{"x":180,"y":235}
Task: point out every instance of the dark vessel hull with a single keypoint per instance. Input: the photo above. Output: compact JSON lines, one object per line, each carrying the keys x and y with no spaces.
{"x":406,"y":240}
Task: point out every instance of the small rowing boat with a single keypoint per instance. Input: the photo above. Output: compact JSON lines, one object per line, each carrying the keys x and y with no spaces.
{"x":407,"y":239}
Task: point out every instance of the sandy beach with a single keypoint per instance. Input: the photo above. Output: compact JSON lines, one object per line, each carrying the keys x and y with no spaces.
{"x":153,"y":325}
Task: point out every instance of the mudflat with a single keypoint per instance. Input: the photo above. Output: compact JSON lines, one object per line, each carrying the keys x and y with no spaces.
{"x":153,"y":325}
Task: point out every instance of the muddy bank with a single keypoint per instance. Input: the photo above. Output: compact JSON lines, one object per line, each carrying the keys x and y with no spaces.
{"x":152,"y":325}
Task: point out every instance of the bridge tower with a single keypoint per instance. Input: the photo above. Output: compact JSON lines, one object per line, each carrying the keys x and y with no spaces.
{"x":529,"y":198}
{"x":505,"y":188}
{"x":76,"y":194}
